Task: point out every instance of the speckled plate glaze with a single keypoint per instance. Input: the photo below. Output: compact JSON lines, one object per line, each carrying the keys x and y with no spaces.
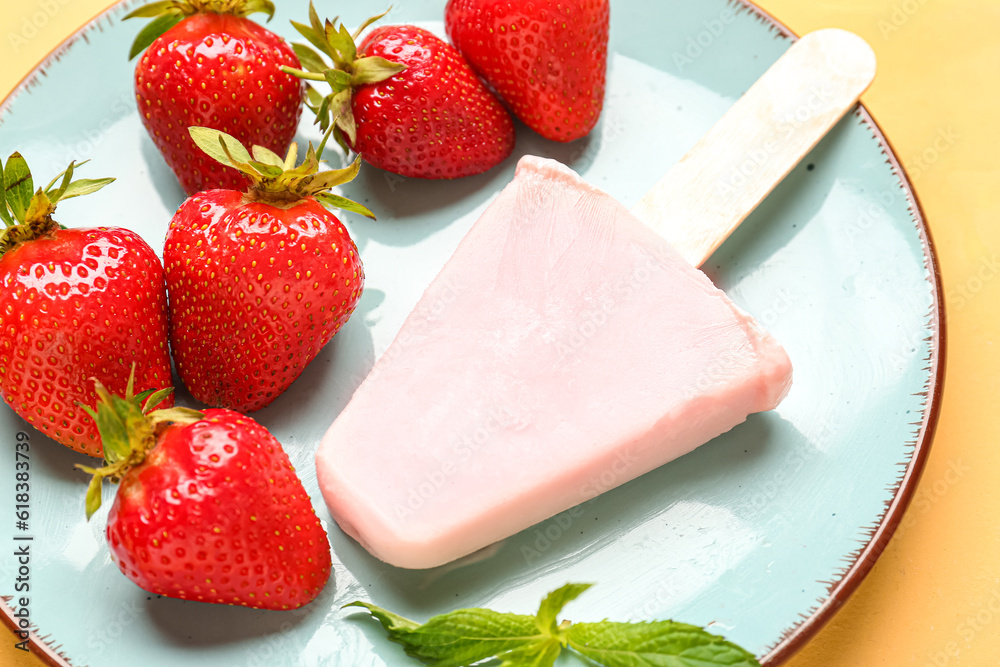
{"x":760,"y":534}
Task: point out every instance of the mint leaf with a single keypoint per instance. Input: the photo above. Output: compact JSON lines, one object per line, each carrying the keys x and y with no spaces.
{"x":554,"y":603}
{"x":655,"y":644}
{"x":460,"y":638}
{"x":469,"y":636}
{"x":541,"y":653}
{"x":393,"y":623}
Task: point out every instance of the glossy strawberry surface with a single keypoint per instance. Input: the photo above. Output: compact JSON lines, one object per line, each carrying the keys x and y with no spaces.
{"x":256,"y":291}
{"x":546,"y":58}
{"x":435,"y":119}
{"x":223,"y":72}
{"x":75,"y":305}
{"x":216,"y":513}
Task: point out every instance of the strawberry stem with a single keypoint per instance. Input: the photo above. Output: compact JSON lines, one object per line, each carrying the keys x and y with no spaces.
{"x":129,"y":428}
{"x":168,"y":13}
{"x":27,"y":213}
{"x":309,"y":76}
{"x":278,"y":182}
{"x":347,"y":72}
{"x":326,"y":137}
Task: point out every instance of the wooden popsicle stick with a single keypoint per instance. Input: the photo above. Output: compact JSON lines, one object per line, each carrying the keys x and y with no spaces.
{"x":712,"y":189}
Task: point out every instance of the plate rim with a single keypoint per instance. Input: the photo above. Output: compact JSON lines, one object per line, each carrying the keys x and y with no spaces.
{"x":865,"y":556}
{"x":868,"y":552}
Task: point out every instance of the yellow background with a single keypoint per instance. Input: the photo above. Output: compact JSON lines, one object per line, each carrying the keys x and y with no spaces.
{"x":933,"y":599}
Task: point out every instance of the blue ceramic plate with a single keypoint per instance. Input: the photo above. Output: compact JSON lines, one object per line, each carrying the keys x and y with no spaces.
{"x":760,"y":534}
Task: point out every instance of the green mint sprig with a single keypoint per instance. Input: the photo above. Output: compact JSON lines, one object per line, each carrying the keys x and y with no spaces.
{"x":465,"y":637}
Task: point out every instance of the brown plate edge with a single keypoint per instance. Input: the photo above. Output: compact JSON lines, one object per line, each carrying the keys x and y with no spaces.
{"x":864,"y":558}
{"x":50,"y":656}
{"x":798,"y":635}
{"x":29,"y":79}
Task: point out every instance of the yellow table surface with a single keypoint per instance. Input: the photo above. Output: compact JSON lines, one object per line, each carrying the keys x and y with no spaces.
{"x":933,"y":598}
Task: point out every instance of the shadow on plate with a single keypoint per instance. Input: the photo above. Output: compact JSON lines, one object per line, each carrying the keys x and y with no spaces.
{"x":202,"y":625}
{"x":411,"y":209}
{"x":166,"y":186}
{"x":58,"y":461}
{"x":733,"y":459}
{"x":325,"y":385}
{"x":780,"y":217}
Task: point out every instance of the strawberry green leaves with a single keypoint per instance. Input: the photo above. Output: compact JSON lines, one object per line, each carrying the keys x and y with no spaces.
{"x":247,"y":7}
{"x":165,"y":14}
{"x":467,"y":636}
{"x":168,"y":13}
{"x":18,"y":186}
{"x":333,"y":112}
{"x":219,"y":146}
{"x":277,"y":180}
{"x":26,"y":213}
{"x":128,"y":431}
{"x":315,"y":33}
{"x":151,"y":31}
{"x":68,"y":188}
{"x":268,"y":157}
{"x":344,"y":204}
{"x":21,"y":204}
{"x":84,"y":186}
{"x":155,"y":9}
{"x":4,"y":211}
{"x":374,"y":69}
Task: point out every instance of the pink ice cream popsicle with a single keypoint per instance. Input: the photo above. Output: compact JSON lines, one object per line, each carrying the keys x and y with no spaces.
{"x":564,"y":339}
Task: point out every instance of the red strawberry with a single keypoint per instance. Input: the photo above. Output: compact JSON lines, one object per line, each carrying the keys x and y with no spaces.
{"x":218,"y":69}
{"x":406,"y":101}
{"x":74,"y":304}
{"x":259,"y":281}
{"x":209,"y":507}
{"x":546,"y":58}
